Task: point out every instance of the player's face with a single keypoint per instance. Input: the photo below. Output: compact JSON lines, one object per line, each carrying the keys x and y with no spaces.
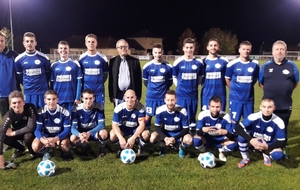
{"x":122,"y":48}
{"x":91,"y":43}
{"x":188,"y":50}
{"x":267,"y":107}
{"x":17,"y":104}
{"x":213,"y":47}
{"x":63,"y":50}
{"x":51,"y":101}
{"x":2,"y":43}
{"x":130,"y":99}
{"x":278,"y":52}
{"x":215,"y":108}
{"x":29,"y":44}
{"x":170,"y":101}
{"x":88,"y":100}
{"x":245,"y":51}
{"x":157,"y":54}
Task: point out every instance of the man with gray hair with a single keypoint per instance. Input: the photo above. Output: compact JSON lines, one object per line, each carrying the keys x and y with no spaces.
{"x":124,"y":73}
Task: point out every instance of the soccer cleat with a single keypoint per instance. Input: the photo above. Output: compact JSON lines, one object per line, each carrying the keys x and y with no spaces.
{"x":119,"y":153}
{"x":101,"y":151}
{"x":140,"y":151}
{"x":47,"y":156}
{"x":286,"y":156}
{"x":267,"y":160}
{"x":162,"y":151}
{"x":244,"y":163}
{"x":222,"y":157}
{"x":18,"y":153}
{"x":6,"y":148}
{"x":66,"y":155}
{"x":202,"y":148}
{"x":181,"y":153}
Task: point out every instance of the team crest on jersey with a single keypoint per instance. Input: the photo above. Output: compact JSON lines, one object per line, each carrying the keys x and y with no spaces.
{"x":68,"y":68}
{"x":218,"y":65}
{"x":286,"y":72}
{"x":97,"y":62}
{"x":194,"y":67}
{"x":56,"y":120}
{"x":37,"y":62}
{"x":162,"y":70}
{"x":250,"y":69}
{"x":218,"y":125}
{"x":176,"y":119}
{"x":133,"y":116}
{"x":269,"y":129}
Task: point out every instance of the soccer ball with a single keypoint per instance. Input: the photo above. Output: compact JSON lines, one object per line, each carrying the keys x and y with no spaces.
{"x":127,"y":156}
{"x":207,"y":160}
{"x":46,"y":168}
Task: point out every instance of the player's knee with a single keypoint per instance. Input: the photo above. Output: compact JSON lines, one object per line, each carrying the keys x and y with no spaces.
{"x":241,"y":139}
{"x":232,"y":146}
{"x":154,"y":137}
{"x":277,"y":155}
{"x":145,"y":135}
{"x":187,"y":139}
{"x":197,"y":142}
{"x":103,"y":134}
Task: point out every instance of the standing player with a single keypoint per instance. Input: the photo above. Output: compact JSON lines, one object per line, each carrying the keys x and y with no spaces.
{"x":95,"y":68}
{"x":171,"y":126}
{"x":22,"y":118}
{"x":213,"y":82}
{"x":187,"y":75}
{"x":241,"y":75}
{"x":88,"y":122}
{"x":278,"y":78}
{"x":129,"y":120}
{"x":33,"y":69}
{"x":264,"y":131}
{"x":66,"y":78}
{"x":214,"y":129}
{"x":157,"y":76}
{"x":53,"y":127}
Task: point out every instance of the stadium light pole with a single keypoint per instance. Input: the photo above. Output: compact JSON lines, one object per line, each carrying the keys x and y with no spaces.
{"x":11,"y":26}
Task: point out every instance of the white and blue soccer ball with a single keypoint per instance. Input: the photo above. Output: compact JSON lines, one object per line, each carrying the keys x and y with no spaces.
{"x":127,"y":156}
{"x":46,"y":168}
{"x":207,"y":160}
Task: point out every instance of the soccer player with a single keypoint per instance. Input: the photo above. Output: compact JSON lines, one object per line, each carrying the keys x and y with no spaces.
{"x":213,"y":82}
{"x":129,"y":120}
{"x":157,"y":77}
{"x":187,"y":74}
{"x":22,"y":118}
{"x":171,"y":126}
{"x":88,"y":122}
{"x":278,"y":78}
{"x":95,"y":68}
{"x":124,"y":73}
{"x":264,"y":131}
{"x":52,"y":127}
{"x":241,"y":75}
{"x":214,"y":129}
{"x":7,"y":74}
{"x":66,"y":78}
{"x":33,"y":69}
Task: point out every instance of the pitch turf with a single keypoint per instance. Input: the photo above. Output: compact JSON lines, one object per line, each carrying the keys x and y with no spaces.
{"x":168,"y":172}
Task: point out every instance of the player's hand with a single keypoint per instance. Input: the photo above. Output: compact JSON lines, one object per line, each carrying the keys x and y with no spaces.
{"x":77,"y":102}
{"x":2,"y":166}
{"x":45,"y":141}
{"x":130,"y":142}
{"x":52,"y":141}
{"x":10,"y":132}
{"x":263,"y":144}
{"x":256,"y":143}
{"x":122,"y":142}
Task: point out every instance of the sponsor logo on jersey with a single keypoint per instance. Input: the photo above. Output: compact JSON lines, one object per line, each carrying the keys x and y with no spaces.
{"x":213,"y":75}
{"x":130,"y":124}
{"x":171,"y":127}
{"x":271,"y":70}
{"x":157,"y":79}
{"x":52,"y":129}
{"x":33,"y":72}
{"x":88,"y":125}
{"x":63,"y":78}
{"x":189,"y":76}
{"x":244,"y":79}
{"x":286,"y":72}
{"x":92,"y":71}
{"x":37,"y":62}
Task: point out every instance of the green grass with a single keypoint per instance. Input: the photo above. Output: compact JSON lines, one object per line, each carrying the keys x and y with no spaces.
{"x":169,"y":172}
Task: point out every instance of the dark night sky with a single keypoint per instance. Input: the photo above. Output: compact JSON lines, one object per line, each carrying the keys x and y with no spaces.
{"x":254,"y":20}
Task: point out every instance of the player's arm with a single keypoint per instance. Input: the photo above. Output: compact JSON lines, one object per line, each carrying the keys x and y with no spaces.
{"x":183,"y":132}
{"x":175,"y":81}
{"x":227,"y":80}
{"x":145,"y":81}
{"x":78,"y":89}
{"x":240,"y":130}
{"x":138,"y":131}
{"x":74,"y":127}
{"x":31,"y":123}
{"x":67,"y":128}
{"x":99,"y":127}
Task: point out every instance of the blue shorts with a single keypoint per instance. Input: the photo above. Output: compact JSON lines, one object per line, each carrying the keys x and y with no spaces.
{"x":191,"y":108}
{"x":99,"y":98}
{"x":127,"y":131}
{"x":238,"y":109}
{"x":152,"y":105}
{"x":37,"y":100}
{"x":205,"y":103}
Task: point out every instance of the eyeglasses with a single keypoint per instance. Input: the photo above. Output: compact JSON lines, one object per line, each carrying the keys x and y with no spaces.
{"x":123,"y":47}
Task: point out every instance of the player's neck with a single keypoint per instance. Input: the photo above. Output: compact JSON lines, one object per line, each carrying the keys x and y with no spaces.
{"x":212,"y":56}
{"x":64,"y":58}
{"x":188,"y":57}
{"x":244,"y":59}
{"x":92,"y":52}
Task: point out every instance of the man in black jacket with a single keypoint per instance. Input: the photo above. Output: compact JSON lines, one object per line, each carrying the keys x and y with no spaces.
{"x":124,"y":73}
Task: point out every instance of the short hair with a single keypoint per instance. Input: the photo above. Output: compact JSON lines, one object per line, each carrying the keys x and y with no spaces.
{"x":171,"y":92}
{"x":3,"y":34}
{"x":88,"y":91}
{"x":49,"y":92}
{"x":29,"y":34}
{"x":91,"y":36}
{"x":15,"y":94}
{"x":213,"y":39}
{"x":280,"y":42}
{"x":266,"y":99}
{"x":158,"y":45}
{"x":121,"y":40}
{"x":63,"y":42}
{"x":188,"y":41}
{"x":245,"y":42}
{"x":215,"y":98}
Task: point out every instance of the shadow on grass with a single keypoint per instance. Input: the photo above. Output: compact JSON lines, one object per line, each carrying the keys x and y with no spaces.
{"x":61,"y":170}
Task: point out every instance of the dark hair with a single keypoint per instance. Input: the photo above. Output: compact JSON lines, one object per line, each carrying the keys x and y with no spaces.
{"x":213,"y":39}
{"x":245,"y":42}
{"x":158,"y":45}
{"x":88,"y":91}
{"x":171,"y":92}
{"x":215,"y":99}
{"x":48,"y":92}
{"x":188,"y":41}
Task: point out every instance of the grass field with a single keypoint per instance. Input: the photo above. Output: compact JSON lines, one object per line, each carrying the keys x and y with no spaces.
{"x":168,"y":172}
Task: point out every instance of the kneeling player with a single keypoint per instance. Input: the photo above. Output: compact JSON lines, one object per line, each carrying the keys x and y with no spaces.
{"x":214,"y":129}
{"x":88,"y":122}
{"x":53,"y":127}
{"x":265,"y":131}
{"x":171,"y":126}
{"x":129,"y":120}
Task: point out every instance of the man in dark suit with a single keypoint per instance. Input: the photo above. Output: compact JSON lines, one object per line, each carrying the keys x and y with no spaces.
{"x":124,"y":73}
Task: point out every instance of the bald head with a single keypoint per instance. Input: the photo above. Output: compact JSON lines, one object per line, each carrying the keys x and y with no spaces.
{"x":130,"y":99}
